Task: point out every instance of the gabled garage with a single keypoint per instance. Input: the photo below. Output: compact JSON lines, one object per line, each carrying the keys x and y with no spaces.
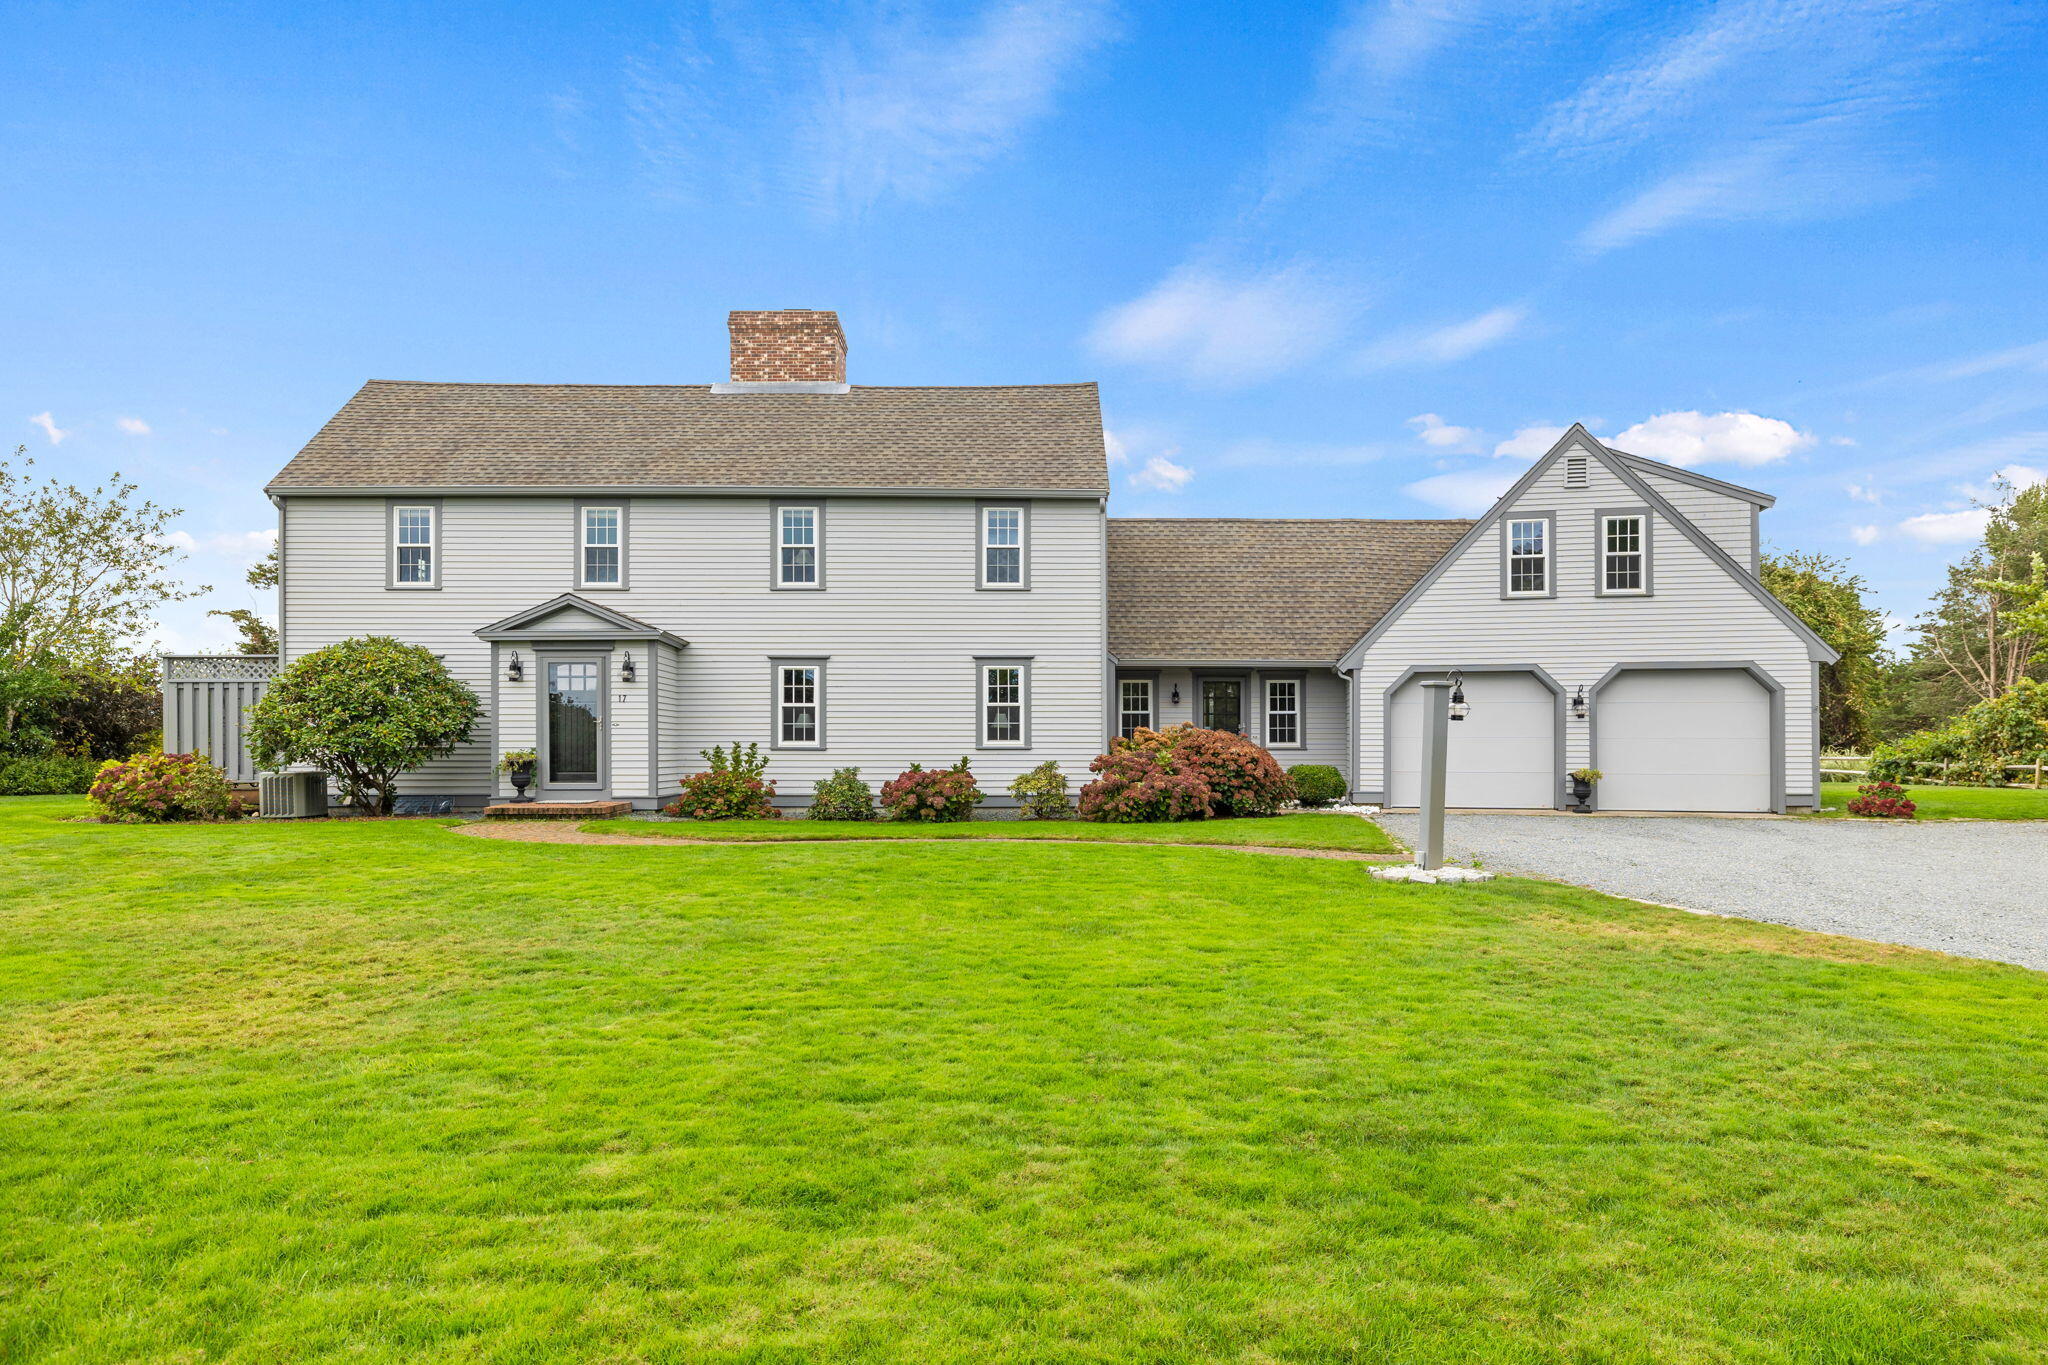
{"x":1507,"y":754}
{"x":1695,"y":737}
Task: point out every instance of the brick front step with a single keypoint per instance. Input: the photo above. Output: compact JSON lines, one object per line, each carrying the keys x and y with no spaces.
{"x":557,"y":810}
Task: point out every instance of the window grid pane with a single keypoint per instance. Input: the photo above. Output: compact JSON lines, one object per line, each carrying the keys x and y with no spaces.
{"x":1134,"y":706}
{"x":799,"y":706}
{"x":1283,"y":712}
{"x":415,"y":542}
{"x":1003,"y":711}
{"x":1002,"y":540}
{"x":1623,"y":537}
{"x":1528,"y":561}
{"x":799,"y":545}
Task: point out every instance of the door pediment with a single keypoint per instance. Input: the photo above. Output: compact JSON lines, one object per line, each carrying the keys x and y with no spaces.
{"x":569,"y":617}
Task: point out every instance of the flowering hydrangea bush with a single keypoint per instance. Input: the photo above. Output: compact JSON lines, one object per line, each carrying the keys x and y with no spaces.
{"x":153,"y":789}
{"x":732,"y":788}
{"x":1135,"y":786}
{"x":1883,"y":799}
{"x":936,"y":794}
{"x":1242,"y":778}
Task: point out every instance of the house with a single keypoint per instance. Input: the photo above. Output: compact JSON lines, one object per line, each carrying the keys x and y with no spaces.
{"x":869,"y":576}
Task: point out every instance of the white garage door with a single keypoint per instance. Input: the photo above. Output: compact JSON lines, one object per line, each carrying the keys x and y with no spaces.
{"x":1687,"y":739}
{"x":1502,"y":757}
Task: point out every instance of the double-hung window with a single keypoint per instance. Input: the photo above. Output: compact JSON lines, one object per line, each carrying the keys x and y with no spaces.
{"x":799,"y":704}
{"x":1527,"y":557}
{"x":1005,"y":686}
{"x":1133,"y":706}
{"x":1283,"y":713}
{"x":799,"y":542}
{"x":601,"y":546}
{"x":415,"y":545}
{"x":1624,"y":553}
{"x":1001,"y":536}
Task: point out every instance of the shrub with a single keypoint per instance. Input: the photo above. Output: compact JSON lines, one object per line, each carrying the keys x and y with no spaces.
{"x":153,"y":788}
{"x":366,"y":710}
{"x":1885,"y":799}
{"x":1042,"y":793}
{"x":48,"y":775}
{"x":843,"y":796}
{"x":1317,"y":784}
{"x":1242,"y":778}
{"x":731,"y":789}
{"x":935,"y":794}
{"x":1976,"y":746}
{"x":1134,"y":786}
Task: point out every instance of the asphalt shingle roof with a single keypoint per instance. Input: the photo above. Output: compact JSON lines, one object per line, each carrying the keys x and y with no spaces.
{"x":416,"y":435}
{"x":1206,"y":589}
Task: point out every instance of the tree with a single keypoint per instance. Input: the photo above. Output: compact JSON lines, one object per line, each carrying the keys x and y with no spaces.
{"x":366,"y":709}
{"x":1971,"y":646}
{"x":1824,"y":594}
{"x":81,"y":571}
{"x":258,"y":635}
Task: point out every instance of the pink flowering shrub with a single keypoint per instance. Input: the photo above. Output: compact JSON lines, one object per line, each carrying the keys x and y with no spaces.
{"x":935,"y":794}
{"x":151,"y":789}
{"x":733,"y":788}
{"x":1886,"y":800}
{"x":1135,"y":786}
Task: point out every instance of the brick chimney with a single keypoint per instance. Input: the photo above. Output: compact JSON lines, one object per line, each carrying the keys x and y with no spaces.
{"x":785,"y":345}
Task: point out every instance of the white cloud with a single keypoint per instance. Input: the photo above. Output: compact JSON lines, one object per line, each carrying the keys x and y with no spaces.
{"x":242,"y":546}
{"x":1162,"y":474}
{"x":1841,"y":440}
{"x":1863,"y":492}
{"x":50,"y":428}
{"x":1529,"y":442}
{"x":1113,"y":445}
{"x":1466,"y":492}
{"x":1946,"y":528}
{"x":1447,"y":344}
{"x":1432,"y":430}
{"x":1694,"y":438}
{"x":2018,"y":477}
{"x":134,"y":426}
{"x":1218,"y":329}
{"x":1865,"y":535}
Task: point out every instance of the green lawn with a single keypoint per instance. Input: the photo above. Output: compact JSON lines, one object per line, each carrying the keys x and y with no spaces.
{"x":1307,"y":830}
{"x":1952,"y":803}
{"x":375,"y":1091}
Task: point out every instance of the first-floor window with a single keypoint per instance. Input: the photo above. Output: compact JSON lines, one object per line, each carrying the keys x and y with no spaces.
{"x":412,"y":530}
{"x":1133,"y":706}
{"x":602,"y":546}
{"x":798,"y":719}
{"x":1002,"y":704}
{"x":1283,"y":711}
{"x":1623,"y":556}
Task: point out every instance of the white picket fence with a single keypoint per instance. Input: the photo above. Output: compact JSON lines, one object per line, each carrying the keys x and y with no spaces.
{"x":1830,"y":766}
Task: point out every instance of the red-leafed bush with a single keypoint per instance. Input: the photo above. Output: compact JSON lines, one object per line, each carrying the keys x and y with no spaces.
{"x":732,"y":790}
{"x":936,"y":794}
{"x":1242,"y":778}
{"x":151,"y":789}
{"x":1134,"y":786}
{"x":1886,"y":800}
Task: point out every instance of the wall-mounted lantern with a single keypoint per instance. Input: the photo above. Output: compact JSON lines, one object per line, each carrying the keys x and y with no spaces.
{"x":1175,"y":698}
{"x":626,"y":671}
{"x":515,"y":671}
{"x":1459,"y":708}
{"x":1579,"y":703}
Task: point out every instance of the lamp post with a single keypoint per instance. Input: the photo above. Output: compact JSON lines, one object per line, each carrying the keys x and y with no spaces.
{"x":1436,"y":748}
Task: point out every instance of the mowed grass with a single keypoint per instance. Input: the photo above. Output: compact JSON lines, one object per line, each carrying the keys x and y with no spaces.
{"x":1950,"y":803}
{"x":1304,"y":830}
{"x":376,"y":1091}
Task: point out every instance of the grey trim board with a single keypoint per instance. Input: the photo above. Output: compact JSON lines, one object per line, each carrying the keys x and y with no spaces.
{"x":1541,"y":674}
{"x":981,"y":583}
{"x":1749,"y":666}
{"x":581,"y":653}
{"x":439,"y":559}
{"x":1549,"y":520}
{"x":515,"y":626}
{"x":1643,"y":463}
{"x":1756,"y":542}
{"x":1020,"y":662}
{"x":625,"y":508}
{"x":653,"y":686}
{"x":1600,"y":516}
{"x":775,"y":506}
{"x":776,"y":664}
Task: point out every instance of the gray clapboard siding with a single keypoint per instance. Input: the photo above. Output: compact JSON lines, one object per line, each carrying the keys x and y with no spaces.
{"x":1696,"y":613}
{"x":1728,"y":522}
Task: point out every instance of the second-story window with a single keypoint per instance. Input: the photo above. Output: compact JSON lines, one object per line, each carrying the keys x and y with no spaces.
{"x":1002,"y":547}
{"x":798,"y":540}
{"x":414,"y":545}
{"x":601,"y":551}
{"x":1624,"y":552}
{"x":1528,"y":557}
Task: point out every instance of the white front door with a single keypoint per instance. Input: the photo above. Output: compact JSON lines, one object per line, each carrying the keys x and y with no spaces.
{"x":1683,"y":739}
{"x":1503,"y":756}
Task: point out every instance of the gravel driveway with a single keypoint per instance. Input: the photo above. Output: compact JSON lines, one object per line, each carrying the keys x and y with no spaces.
{"x":1978,"y":888}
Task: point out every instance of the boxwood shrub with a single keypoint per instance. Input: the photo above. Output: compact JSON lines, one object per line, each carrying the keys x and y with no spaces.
{"x":1316,"y":784}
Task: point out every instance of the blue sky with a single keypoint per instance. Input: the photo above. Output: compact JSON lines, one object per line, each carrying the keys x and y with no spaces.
{"x":1326,"y":260}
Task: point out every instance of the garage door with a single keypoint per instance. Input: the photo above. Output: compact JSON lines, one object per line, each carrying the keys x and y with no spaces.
{"x":1689,"y":739}
{"x":1503,"y":756}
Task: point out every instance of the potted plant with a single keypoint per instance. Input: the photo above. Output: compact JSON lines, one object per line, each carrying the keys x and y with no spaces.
{"x":1582,"y":788}
{"x":518,"y":764}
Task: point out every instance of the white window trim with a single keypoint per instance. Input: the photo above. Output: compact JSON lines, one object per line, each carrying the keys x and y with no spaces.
{"x":1300,"y":686}
{"x":982,"y":546}
{"x":1601,"y":517}
{"x":776,"y":668}
{"x":432,"y":507}
{"x":1508,"y":557}
{"x":776,"y":545}
{"x":982,"y":704}
{"x":583,"y":511}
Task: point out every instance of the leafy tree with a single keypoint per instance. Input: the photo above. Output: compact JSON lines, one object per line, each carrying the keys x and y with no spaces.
{"x":1823,"y":593}
{"x":1971,"y":646}
{"x":366,"y":709}
{"x":264,"y":573}
{"x":258,"y":635}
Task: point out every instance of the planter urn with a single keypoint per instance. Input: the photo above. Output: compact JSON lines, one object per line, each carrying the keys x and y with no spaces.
{"x":521,"y":774}
{"x":1582,"y":792}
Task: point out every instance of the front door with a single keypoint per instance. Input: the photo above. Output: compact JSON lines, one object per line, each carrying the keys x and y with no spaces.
{"x":572,"y":741}
{"x":1223,"y":704}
